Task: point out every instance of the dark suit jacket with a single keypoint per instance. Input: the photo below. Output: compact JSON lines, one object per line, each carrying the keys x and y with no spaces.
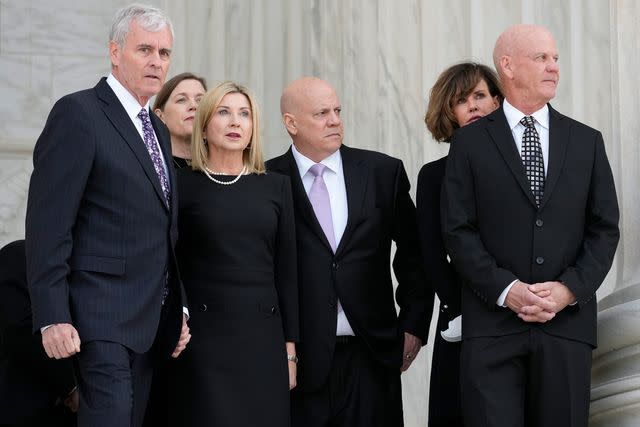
{"x":30,"y":382}
{"x":379,"y":210}
{"x":495,"y":233}
{"x":100,"y":236}
{"x":441,"y":276}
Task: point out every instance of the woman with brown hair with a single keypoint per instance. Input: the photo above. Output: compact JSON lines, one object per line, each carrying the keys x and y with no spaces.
{"x":176,"y":105}
{"x":462,"y":94}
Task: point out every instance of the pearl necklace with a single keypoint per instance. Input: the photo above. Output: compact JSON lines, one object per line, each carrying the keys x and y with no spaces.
{"x":208,"y":172}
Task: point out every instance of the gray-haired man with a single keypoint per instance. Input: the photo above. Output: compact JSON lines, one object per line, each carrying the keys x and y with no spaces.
{"x":101,"y":227}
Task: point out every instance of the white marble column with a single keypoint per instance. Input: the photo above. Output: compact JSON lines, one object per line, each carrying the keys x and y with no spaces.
{"x":616,"y":365}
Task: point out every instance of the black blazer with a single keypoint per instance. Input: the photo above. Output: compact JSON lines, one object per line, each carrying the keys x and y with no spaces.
{"x":100,"y":236}
{"x":30,"y":382}
{"x":495,"y":233}
{"x":443,"y":279}
{"x":380,"y":210}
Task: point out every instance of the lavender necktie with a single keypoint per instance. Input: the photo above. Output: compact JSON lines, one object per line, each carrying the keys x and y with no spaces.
{"x":319,"y":198}
{"x":154,"y":152}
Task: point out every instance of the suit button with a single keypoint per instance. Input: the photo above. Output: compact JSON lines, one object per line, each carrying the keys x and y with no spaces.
{"x":335,"y":265}
{"x":539,"y":222}
{"x":203,"y":307}
{"x":273,"y":310}
{"x":539,"y":260}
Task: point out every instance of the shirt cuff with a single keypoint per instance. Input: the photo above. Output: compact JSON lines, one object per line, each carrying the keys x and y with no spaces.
{"x":44,"y":328}
{"x":503,"y":295}
{"x":185,"y":310}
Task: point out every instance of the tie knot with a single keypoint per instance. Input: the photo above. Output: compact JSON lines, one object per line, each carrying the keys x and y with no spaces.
{"x":143,"y":115}
{"x":317,"y":169}
{"x":528,"y":121}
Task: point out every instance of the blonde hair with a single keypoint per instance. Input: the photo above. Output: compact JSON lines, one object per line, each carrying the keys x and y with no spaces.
{"x":252,"y":156}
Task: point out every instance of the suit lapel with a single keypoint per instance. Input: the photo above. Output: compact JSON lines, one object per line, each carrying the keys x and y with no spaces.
{"x":117,"y":115}
{"x":355,"y":181}
{"x":558,"y":139}
{"x":498,"y":129}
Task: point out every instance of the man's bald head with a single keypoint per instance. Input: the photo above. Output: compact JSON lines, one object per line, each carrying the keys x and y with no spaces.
{"x":514,"y":41}
{"x":526,"y":57}
{"x":299,"y":92}
{"x":311,"y":113}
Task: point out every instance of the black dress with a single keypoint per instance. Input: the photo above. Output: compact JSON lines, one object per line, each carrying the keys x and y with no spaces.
{"x":179,"y":162}
{"x":237,"y":258}
{"x":444,"y":392}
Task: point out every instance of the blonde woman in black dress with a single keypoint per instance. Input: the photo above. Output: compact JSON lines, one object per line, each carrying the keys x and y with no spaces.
{"x":236,"y":254}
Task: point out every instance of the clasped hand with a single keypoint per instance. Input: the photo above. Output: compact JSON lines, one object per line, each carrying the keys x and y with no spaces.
{"x":538,"y":302}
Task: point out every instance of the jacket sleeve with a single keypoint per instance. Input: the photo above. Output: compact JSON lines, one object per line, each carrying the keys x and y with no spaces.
{"x":476,"y":266}
{"x":441,"y":277}
{"x":62,"y":161}
{"x":285,"y":264}
{"x":416,"y":304}
{"x":601,"y":231}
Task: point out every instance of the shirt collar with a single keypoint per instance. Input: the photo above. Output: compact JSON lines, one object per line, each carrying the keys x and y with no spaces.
{"x":514,"y":115}
{"x":333,"y":162}
{"x":130,"y":104}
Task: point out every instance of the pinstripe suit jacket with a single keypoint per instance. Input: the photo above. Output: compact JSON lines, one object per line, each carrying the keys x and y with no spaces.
{"x":99,"y":235}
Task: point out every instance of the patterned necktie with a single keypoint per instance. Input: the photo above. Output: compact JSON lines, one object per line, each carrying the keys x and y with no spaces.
{"x":319,"y":198}
{"x":532,"y":158}
{"x":154,"y":152}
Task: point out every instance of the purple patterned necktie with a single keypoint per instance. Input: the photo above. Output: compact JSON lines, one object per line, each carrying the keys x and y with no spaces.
{"x":319,"y":198}
{"x":154,"y":152}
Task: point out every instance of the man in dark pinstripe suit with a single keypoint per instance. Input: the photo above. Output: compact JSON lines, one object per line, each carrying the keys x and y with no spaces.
{"x":101,"y":227}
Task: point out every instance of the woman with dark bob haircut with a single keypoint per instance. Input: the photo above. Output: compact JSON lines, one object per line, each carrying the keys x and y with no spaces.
{"x":462,"y":94}
{"x":176,"y":105}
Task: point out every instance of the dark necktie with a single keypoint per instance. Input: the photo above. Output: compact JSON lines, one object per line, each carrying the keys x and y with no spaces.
{"x":319,"y":198}
{"x":154,"y":152}
{"x":532,"y":158}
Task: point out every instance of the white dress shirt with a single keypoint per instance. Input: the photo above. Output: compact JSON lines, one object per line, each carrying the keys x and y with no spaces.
{"x":541,"y":123}
{"x":132,"y":107}
{"x":334,"y":179}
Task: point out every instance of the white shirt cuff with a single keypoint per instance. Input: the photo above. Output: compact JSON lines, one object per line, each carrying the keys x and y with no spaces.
{"x":185,"y":310}
{"x":503,"y":295}
{"x":44,"y":328}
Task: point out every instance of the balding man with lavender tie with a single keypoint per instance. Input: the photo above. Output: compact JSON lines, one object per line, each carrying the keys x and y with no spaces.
{"x":350,"y":204}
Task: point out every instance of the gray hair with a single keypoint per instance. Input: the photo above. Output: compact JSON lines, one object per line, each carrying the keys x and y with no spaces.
{"x":149,"y":18}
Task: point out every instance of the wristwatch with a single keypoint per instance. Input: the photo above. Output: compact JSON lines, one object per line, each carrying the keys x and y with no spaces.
{"x":292,"y":358}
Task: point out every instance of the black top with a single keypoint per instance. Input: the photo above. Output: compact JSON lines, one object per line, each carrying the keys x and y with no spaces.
{"x":179,"y":162}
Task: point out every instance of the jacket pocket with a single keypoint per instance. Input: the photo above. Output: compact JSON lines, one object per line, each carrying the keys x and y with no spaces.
{"x":98,"y":264}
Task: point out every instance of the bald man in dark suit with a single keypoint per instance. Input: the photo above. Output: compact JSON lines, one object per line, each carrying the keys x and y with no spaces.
{"x":530,"y":220}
